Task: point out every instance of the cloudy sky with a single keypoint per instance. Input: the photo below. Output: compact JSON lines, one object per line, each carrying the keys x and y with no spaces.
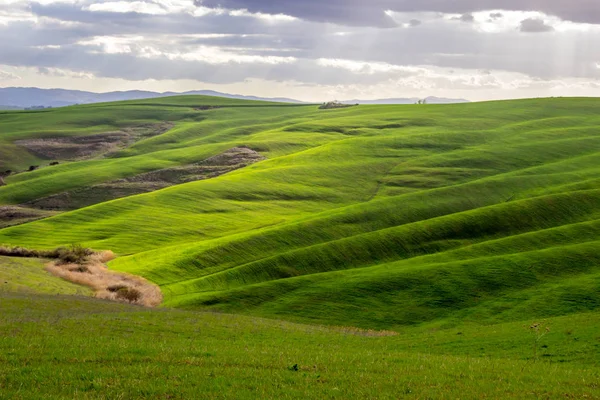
{"x":307,"y":49}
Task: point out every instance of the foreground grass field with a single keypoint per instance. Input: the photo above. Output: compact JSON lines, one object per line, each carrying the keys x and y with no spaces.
{"x":66,"y":347}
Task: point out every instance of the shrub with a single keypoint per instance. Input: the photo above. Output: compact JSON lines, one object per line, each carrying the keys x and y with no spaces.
{"x":130,"y":294}
{"x":18,"y":252}
{"x":33,"y":167}
{"x":75,"y":254}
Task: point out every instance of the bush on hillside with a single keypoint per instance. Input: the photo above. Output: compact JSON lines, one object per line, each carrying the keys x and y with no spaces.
{"x":18,"y":251}
{"x":129,"y":294}
{"x":75,"y":254}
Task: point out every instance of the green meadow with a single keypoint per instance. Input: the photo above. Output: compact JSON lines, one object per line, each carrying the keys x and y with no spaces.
{"x":456,"y":227}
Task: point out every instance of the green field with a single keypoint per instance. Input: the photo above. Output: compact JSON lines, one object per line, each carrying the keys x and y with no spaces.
{"x":23,"y":275}
{"x":63,"y":348}
{"x":427,"y":220}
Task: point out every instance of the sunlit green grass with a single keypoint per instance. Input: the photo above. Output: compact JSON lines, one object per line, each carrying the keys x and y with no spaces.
{"x":65,"y":347}
{"x":377,"y":216}
{"x":23,"y":275}
{"x":457,"y":227}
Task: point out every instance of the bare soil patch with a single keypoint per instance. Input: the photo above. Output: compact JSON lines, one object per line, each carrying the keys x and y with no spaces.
{"x":83,"y":147}
{"x":15,"y":215}
{"x":232,"y":159}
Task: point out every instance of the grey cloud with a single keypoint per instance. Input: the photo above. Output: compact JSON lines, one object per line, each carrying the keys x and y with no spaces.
{"x":535,"y":25}
{"x":465,"y":18}
{"x":496,"y":15}
{"x":461,"y":48}
{"x":371,"y":13}
{"x":444,"y":44}
{"x":414,"y":22}
{"x":131,"y":67}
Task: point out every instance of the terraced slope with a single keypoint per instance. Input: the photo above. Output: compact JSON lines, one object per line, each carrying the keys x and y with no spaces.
{"x":373,"y":216}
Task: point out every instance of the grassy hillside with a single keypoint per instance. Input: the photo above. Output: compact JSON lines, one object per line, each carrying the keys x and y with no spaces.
{"x":371,"y":216}
{"x":56,"y":347}
{"x":23,"y":275}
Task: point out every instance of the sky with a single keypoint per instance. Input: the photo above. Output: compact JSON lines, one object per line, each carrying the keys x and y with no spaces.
{"x":312,"y":50}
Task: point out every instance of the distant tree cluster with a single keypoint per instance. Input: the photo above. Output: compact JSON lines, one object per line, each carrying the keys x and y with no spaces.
{"x":334,"y":104}
{"x":33,"y":108}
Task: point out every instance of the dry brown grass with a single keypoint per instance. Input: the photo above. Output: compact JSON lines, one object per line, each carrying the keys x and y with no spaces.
{"x":101,"y":280}
{"x":364,"y":332}
{"x":348,"y":330}
{"x":86,"y":267}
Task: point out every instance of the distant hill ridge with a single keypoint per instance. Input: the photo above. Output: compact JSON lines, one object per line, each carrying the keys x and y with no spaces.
{"x":20,"y":97}
{"x":410,"y":100}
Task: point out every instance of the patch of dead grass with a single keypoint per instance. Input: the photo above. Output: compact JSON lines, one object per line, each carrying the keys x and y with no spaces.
{"x":95,"y":275}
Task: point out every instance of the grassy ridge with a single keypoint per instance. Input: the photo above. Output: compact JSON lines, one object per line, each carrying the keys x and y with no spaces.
{"x":378,"y":216}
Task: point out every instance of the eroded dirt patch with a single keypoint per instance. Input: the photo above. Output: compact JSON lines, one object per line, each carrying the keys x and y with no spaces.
{"x":83,"y":147}
{"x":230,"y":160}
{"x":15,"y":215}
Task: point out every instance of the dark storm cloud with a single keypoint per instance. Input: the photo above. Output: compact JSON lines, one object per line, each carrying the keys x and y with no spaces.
{"x":371,"y":13}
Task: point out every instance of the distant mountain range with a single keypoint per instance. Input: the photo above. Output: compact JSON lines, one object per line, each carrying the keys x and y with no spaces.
{"x":31,"y":97}
{"x":15,"y":98}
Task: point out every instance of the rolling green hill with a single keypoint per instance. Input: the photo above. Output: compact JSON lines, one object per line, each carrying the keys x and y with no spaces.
{"x":370,"y":216}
